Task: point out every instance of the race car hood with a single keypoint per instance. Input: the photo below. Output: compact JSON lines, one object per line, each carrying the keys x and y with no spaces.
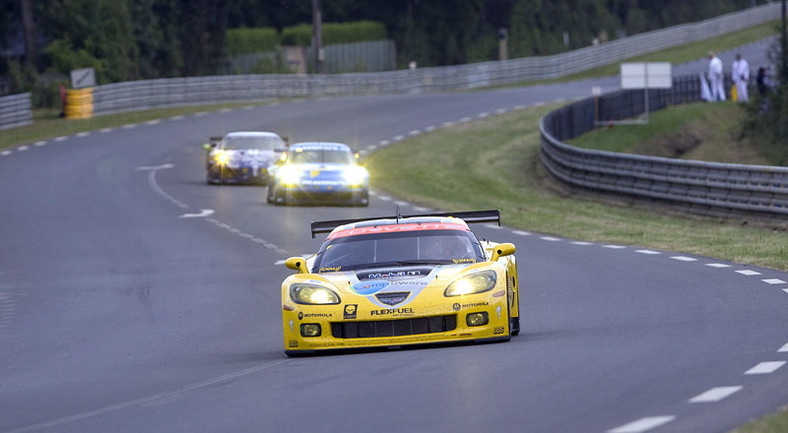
{"x":249,"y":158}
{"x":398,"y":286}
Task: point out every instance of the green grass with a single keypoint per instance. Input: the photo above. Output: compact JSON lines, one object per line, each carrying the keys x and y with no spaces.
{"x":47,"y":124}
{"x":495,"y":164}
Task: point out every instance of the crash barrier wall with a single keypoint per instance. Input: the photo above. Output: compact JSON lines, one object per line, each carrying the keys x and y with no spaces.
{"x":709,"y":188}
{"x":369,"y":56}
{"x":16,"y":110}
{"x":147,"y":94}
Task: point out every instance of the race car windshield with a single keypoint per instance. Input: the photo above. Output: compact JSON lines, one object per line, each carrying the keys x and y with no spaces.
{"x":439,"y":247}
{"x":321,"y":156}
{"x":257,"y":143}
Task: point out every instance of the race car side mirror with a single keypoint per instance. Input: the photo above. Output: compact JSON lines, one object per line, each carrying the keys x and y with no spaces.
{"x":297,"y":264}
{"x":502,"y":250}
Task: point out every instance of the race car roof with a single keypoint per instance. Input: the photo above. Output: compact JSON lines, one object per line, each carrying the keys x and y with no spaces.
{"x":252,"y":134}
{"x":466,"y":217}
{"x":320,"y":145}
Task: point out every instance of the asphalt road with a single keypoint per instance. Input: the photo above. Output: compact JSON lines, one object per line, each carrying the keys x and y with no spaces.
{"x":136,"y":298}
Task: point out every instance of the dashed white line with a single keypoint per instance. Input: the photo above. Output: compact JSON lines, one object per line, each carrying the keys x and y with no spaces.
{"x":178,"y":117}
{"x":153,"y":122}
{"x":492,"y":226}
{"x":420,"y":209}
{"x":22,"y":148}
{"x":539,"y":104}
{"x":399,"y":138}
{"x":748,"y":272}
{"x":519,"y":107}
{"x":371,"y":148}
{"x":226,"y":110}
{"x":715,"y":394}
{"x":465,"y":119}
{"x":614,"y":247}
{"x":785,"y":290}
{"x":61,"y":138}
{"x":581,"y":243}
{"x":385,"y":143}
{"x":385,"y":198}
{"x":765,"y":367}
{"x":521,"y":233}
{"x":129,"y":126}
{"x":559,"y":100}
{"x":40,"y":143}
{"x":643,"y":424}
{"x":6,"y":153}
{"x":500,"y":111}
{"x":483,"y":115}
{"x":773,"y":281}
{"x":414,"y":132}
{"x":448,"y":124}
{"x":718,"y":265}
{"x":200,"y":114}
{"x":106,"y":130}
{"x":247,"y":107}
{"x":429,"y":128}
{"x":684,"y":259}
{"x":784,"y":348}
{"x":83,"y":134}
{"x":647,"y":252}
{"x":549,"y":239}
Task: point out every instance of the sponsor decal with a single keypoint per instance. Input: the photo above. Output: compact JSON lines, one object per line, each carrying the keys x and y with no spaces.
{"x":330,"y":269}
{"x":314,"y":173}
{"x":393,"y":274}
{"x":391,"y":228}
{"x":468,"y":260}
{"x":370,"y":287}
{"x":475,"y":304}
{"x":393,"y":311}
{"x":292,"y":343}
{"x":456,"y":307}
{"x":350,"y":311}
{"x":302,"y":315}
{"x":498,"y":330}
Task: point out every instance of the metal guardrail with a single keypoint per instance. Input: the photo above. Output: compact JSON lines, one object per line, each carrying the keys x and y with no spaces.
{"x":15,"y":110}
{"x":709,"y":188}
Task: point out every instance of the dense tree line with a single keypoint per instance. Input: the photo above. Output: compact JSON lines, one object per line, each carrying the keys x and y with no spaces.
{"x":141,"y":39}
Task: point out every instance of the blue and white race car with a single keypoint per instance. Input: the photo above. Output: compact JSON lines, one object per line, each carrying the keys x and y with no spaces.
{"x":242,"y":157}
{"x":318,"y":172}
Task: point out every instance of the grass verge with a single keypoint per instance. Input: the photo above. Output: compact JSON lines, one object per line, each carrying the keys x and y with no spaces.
{"x":495,"y":163}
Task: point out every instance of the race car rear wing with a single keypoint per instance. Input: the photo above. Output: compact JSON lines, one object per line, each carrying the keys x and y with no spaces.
{"x":470,"y":217}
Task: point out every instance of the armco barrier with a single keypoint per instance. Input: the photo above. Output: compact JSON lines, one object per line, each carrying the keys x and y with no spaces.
{"x":15,"y":110}
{"x":710,"y":188}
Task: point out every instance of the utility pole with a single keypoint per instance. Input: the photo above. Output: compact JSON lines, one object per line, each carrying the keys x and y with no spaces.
{"x":784,"y":53}
{"x":317,"y":34}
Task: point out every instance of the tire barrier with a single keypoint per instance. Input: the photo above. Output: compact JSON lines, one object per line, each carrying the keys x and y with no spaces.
{"x":79,"y":103}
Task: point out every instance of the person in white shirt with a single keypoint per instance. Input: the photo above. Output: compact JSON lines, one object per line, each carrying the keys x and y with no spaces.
{"x":740,"y":74}
{"x":715,"y":78}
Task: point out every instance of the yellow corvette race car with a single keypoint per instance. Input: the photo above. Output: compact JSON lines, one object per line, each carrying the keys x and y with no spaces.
{"x":401,"y":280}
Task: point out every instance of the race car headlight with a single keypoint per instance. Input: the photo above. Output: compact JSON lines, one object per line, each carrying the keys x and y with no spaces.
{"x":312,"y":294}
{"x":289,"y":175}
{"x":474,"y":283}
{"x":355,"y":176}
{"x":222,"y":157}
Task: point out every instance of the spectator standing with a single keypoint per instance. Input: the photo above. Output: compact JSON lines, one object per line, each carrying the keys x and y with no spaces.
{"x":715,"y":77}
{"x":740,"y":74}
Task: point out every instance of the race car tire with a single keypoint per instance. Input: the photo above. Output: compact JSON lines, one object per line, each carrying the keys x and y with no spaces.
{"x":514,"y":325}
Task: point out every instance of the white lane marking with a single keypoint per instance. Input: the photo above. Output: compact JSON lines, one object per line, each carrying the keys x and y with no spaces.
{"x":200,"y":114}
{"x":363,"y":152}
{"x":385,"y":198}
{"x":385,"y":143}
{"x":61,"y":138}
{"x":766,"y":367}
{"x":22,"y":148}
{"x":614,"y":247}
{"x":521,"y":233}
{"x":715,"y":394}
{"x":143,"y":401}
{"x":373,"y":147}
{"x":539,"y":104}
{"x":519,"y":107}
{"x":581,"y":243}
{"x":153,"y":122}
{"x":648,"y":252}
{"x":748,"y":272}
{"x":785,"y":290}
{"x":106,"y":130}
{"x":226,"y":110}
{"x":429,"y":128}
{"x":6,"y":153}
{"x":399,"y":138}
{"x":643,"y":424}
{"x":248,"y":107}
{"x":372,"y":193}
{"x":773,"y":281}
{"x":784,"y":348}
{"x":414,"y":132}
{"x":559,"y":100}
{"x":178,"y":117}
{"x":40,"y":143}
{"x":83,"y":134}
{"x":500,"y":111}
{"x":549,"y":239}
{"x":465,"y":120}
{"x":483,"y":115}
{"x":204,"y":213}
{"x":684,"y":259}
{"x":492,"y":226}
{"x":718,"y":265}
{"x":420,"y":209}
{"x":448,"y":124}
{"x":129,"y":126}
{"x":156,"y":167}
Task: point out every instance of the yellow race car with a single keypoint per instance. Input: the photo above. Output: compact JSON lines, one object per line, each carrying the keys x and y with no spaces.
{"x":401,"y":280}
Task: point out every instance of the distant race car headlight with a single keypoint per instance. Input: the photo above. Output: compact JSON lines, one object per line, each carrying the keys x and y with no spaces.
{"x":355,"y":175}
{"x":312,"y":294}
{"x":289,"y":175}
{"x":222,"y":157}
{"x":470,"y":284}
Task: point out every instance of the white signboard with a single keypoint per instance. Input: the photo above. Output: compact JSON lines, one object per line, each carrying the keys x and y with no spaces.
{"x":81,"y":78}
{"x":653,"y":75}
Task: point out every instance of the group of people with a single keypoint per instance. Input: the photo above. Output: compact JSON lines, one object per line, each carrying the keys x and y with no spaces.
{"x":740,"y":75}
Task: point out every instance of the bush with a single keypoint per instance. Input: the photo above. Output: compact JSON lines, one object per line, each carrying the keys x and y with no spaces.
{"x":335,"y":33}
{"x":251,"y":40}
